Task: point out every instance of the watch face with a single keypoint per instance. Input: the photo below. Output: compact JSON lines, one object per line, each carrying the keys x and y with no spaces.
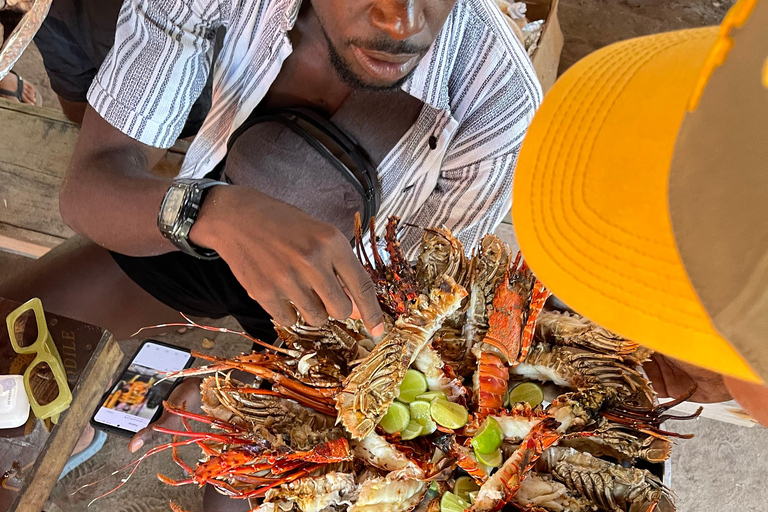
{"x":174,"y":200}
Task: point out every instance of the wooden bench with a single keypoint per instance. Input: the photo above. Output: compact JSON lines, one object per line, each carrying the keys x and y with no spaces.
{"x":36,"y":145}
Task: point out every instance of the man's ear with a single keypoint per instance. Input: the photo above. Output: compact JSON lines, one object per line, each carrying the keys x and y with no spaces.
{"x":752,"y":397}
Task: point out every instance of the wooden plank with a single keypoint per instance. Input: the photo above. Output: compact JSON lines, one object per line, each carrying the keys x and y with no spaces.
{"x":86,"y":395}
{"x":33,"y":237}
{"x":36,"y":146}
{"x":21,"y":248}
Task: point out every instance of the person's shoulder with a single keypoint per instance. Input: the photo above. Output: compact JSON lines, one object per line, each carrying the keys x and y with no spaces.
{"x":482,"y":20}
{"x":487,"y":47}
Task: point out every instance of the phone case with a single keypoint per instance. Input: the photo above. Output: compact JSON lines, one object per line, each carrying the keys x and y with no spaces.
{"x":128,"y":433}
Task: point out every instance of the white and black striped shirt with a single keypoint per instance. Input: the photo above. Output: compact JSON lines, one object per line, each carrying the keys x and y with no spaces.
{"x":453,"y":167}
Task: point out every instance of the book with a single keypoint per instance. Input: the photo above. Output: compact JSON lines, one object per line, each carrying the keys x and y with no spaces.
{"x":23,"y":449}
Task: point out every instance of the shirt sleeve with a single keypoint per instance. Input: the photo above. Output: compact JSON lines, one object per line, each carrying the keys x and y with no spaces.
{"x":474,"y":189}
{"x":157,"y":68}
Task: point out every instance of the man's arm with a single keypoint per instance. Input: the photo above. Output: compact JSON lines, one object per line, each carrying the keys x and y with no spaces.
{"x":74,"y":110}
{"x":281,"y":256}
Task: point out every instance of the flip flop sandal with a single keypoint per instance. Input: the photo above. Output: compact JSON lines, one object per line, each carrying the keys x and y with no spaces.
{"x":19,"y":91}
{"x":99,"y":437}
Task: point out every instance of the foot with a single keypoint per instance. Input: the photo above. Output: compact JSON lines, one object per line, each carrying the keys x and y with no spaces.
{"x":9,"y":86}
{"x":85,"y":439}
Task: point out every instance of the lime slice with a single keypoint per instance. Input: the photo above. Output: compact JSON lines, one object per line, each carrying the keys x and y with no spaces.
{"x":429,"y":427}
{"x":493,"y":459}
{"x":452,"y":503}
{"x":489,"y":439}
{"x":527,"y":392}
{"x":411,"y":431}
{"x":463,"y":486}
{"x":448,"y":414}
{"x":431,"y":395}
{"x":506,"y":398}
{"x":414,"y":383}
{"x":420,"y":411}
{"x":396,"y":418}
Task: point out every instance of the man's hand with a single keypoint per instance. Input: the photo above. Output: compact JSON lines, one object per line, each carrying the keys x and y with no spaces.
{"x":186,"y":394}
{"x":672,"y":378}
{"x":282,"y":256}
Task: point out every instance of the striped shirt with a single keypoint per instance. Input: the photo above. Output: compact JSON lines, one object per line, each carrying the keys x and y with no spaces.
{"x":453,"y":167}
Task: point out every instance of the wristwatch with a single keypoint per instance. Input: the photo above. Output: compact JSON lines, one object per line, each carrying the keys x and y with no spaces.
{"x":179,"y":211}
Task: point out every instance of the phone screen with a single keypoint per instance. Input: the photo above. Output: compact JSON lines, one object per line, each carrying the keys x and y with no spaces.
{"x":139,"y":391}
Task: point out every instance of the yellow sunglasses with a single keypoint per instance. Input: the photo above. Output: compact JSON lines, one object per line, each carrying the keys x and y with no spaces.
{"x":45,"y":379}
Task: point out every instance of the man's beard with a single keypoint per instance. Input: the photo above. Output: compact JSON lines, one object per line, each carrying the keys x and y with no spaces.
{"x":344,"y":69}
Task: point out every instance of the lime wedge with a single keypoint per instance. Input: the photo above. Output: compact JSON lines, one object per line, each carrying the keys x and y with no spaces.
{"x":529,"y":392}
{"x":448,"y":414}
{"x":420,"y":411}
{"x":411,"y":431}
{"x":463,"y":486}
{"x":414,"y":383}
{"x":493,"y":459}
{"x":489,"y":439}
{"x":396,"y":418}
{"x":452,"y":503}
{"x":472,"y":496}
{"x":431,"y":395}
{"x":429,"y":427}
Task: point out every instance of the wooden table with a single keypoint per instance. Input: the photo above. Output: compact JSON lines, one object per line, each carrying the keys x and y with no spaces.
{"x":31,"y":457}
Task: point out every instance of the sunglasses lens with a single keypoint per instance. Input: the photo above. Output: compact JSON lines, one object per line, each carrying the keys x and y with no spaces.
{"x":43,"y":384}
{"x":25,"y":329}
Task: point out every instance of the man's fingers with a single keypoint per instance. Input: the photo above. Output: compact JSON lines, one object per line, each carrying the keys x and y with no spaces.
{"x":337,"y":302}
{"x":310,"y":306}
{"x":147,"y":435}
{"x":185,"y":395}
{"x":363,"y":293}
{"x":279,"y":309}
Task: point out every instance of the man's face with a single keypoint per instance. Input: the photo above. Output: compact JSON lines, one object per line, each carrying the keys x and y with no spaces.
{"x":376,"y":44}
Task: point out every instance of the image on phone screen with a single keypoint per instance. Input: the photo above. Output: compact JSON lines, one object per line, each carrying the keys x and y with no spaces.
{"x":140,"y":390}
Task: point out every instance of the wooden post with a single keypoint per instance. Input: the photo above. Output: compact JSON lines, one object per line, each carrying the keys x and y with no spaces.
{"x":86,"y":395}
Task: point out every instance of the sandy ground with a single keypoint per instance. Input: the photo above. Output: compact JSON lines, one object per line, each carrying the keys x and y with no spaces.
{"x":723,"y":468}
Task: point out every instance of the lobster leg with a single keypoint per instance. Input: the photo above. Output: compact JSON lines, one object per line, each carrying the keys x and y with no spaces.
{"x":539,"y":296}
{"x":449,"y":445}
{"x":202,"y":418}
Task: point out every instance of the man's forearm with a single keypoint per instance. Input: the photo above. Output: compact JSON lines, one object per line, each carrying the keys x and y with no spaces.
{"x":113,"y":208}
{"x":109,"y":195}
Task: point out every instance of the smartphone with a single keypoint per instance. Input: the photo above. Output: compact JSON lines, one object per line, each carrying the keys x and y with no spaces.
{"x":136,"y":399}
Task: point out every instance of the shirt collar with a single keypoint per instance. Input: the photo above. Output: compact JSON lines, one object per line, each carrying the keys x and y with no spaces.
{"x":429,"y":81}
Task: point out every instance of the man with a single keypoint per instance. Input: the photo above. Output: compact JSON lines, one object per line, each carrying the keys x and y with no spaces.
{"x":640,"y":200}
{"x":464,"y":92}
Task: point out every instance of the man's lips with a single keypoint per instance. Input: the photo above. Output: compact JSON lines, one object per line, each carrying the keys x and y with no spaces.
{"x":387,"y":66}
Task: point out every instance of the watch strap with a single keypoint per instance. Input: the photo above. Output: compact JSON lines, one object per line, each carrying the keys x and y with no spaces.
{"x":195,"y":191}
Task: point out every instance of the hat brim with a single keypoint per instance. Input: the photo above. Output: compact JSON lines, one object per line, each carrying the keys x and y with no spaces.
{"x":590,"y":203}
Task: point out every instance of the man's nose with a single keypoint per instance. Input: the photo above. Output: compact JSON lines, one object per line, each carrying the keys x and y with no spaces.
{"x":400,"y":19}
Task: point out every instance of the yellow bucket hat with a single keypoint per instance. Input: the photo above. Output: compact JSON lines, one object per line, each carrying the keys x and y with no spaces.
{"x":641,"y":192}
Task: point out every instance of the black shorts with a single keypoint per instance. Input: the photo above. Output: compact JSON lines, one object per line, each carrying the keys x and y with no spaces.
{"x":198,"y":288}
